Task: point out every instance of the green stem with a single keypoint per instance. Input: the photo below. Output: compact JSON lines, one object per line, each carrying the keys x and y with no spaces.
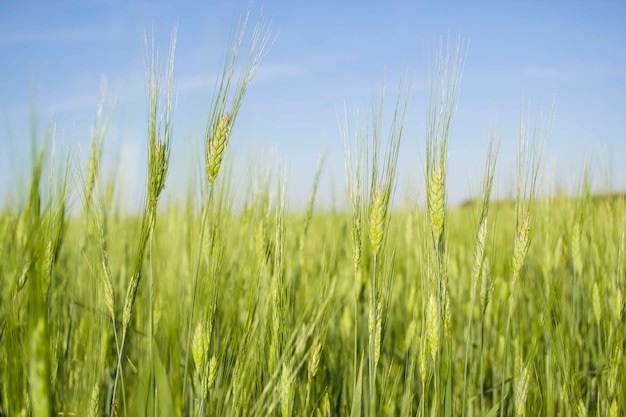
{"x":372,"y":343}
{"x":152,"y":367}
{"x":506,"y":345}
{"x":467,"y":343}
{"x":193,"y":293}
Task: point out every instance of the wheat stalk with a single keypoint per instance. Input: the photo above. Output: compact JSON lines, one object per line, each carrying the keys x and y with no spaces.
{"x":39,"y":371}
{"x":159,"y":142}
{"x":529,"y":167}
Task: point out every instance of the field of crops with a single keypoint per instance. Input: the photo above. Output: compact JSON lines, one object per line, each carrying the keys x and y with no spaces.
{"x":195,"y":308}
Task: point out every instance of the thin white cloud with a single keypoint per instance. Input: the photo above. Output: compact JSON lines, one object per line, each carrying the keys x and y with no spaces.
{"x":605,"y":70}
{"x":575,"y":71}
{"x":193,"y":83}
{"x":77,"y":102}
{"x":87,"y":34}
{"x":543,"y":72}
{"x":272,"y":72}
{"x":266,"y":73}
{"x":328,"y":57}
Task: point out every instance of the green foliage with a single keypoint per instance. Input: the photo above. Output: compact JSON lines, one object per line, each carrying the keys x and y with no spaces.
{"x":261,"y":311}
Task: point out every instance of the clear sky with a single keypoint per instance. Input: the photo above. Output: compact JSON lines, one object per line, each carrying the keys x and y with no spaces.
{"x":326,"y":54}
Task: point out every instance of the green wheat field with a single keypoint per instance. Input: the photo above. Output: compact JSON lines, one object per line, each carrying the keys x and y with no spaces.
{"x":197,"y":308}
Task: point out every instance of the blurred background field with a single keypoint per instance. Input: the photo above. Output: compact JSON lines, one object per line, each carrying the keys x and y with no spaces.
{"x":195,"y":275}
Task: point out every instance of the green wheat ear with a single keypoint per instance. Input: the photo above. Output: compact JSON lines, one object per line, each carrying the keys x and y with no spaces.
{"x":94,"y":401}
{"x":39,"y":371}
{"x":520,"y":246}
{"x":217,"y":147}
{"x":197,"y":347}
{"x":315,"y":360}
{"x":521,"y":391}
{"x":436,"y":202}
{"x":377,"y":217}
{"x":432,"y":327}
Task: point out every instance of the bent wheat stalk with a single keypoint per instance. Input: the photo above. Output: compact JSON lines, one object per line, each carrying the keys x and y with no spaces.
{"x":159,"y":142}
{"x":223,"y":114}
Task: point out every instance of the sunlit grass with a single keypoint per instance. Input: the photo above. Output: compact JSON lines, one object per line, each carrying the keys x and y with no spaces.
{"x":509,"y":308}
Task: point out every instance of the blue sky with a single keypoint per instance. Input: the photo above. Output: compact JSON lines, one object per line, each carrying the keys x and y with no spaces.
{"x":326,"y":54}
